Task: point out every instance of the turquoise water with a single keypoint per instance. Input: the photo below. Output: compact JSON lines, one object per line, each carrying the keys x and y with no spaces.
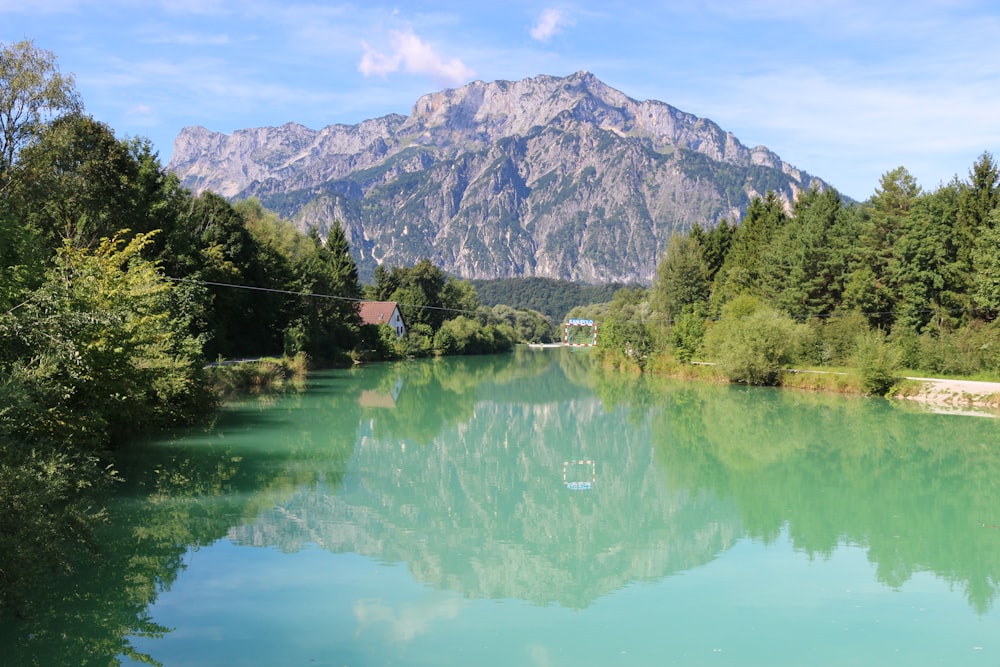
{"x":529,"y":510}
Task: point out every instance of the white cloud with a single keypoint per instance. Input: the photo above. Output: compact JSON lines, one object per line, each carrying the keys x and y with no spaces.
{"x":412,"y":54}
{"x":191,"y":39}
{"x":549,"y":23}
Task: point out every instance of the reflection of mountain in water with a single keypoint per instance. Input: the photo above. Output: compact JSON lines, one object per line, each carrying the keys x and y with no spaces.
{"x":463,"y":480}
{"x":483,"y":508}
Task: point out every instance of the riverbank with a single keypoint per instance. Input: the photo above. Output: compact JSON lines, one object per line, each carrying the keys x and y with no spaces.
{"x":934,"y":394}
{"x":953,"y":396}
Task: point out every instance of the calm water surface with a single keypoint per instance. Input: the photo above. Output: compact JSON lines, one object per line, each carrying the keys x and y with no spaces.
{"x":527,"y":510}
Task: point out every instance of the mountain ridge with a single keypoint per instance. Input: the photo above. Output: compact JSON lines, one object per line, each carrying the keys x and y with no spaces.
{"x":559,"y":177}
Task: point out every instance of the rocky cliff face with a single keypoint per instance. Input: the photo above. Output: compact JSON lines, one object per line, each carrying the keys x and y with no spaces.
{"x":559,"y":177}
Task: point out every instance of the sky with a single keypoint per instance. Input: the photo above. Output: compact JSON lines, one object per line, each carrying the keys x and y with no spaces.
{"x":846,"y":90}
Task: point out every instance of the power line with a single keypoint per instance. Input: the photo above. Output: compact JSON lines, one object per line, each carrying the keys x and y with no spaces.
{"x":317,"y":295}
{"x":273,"y":290}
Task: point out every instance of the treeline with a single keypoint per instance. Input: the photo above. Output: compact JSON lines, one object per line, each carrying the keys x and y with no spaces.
{"x":554,"y":298}
{"x":908,"y":279}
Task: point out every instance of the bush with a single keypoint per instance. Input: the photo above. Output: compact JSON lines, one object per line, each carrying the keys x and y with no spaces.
{"x":419,"y":341}
{"x":878,"y":361}
{"x":463,"y":335}
{"x":832,"y":341}
{"x":686,"y":335}
{"x":625,"y":342}
{"x":753,"y":342}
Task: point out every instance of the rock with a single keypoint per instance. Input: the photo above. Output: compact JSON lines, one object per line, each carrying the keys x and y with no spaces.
{"x":559,"y":177}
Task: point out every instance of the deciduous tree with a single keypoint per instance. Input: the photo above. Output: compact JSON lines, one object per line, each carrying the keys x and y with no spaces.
{"x":32,"y":91}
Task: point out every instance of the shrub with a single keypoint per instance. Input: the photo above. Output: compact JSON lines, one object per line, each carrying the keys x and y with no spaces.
{"x":686,"y":335}
{"x":878,"y":361}
{"x":752,"y":342}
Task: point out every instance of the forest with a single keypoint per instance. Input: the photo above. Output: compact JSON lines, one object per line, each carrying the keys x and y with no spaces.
{"x":553,"y":298}
{"x":907,"y":280}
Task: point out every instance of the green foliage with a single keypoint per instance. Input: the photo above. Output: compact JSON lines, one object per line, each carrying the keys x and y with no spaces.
{"x":978,"y":199}
{"x":968,"y":351}
{"x":102,"y":347}
{"x":925,"y":274}
{"x":464,"y":335}
{"x":832,"y":340}
{"x":745,"y":266}
{"x":264,"y":375}
{"x":625,"y":336}
{"x":682,"y":278}
{"x":22,"y":262}
{"x":325,"y":327}
{"x":986,"y":264}
{"x":419,"y":341}
{"x":32,"y":91}
{"x":752,"y":342}
{"x":76,"y":181}
{"x":379,"y":342}
{"x":714,"y":244}
{"x":625,"y":342}
{"x":687,"y":333}
{"x":877,"y":360}
{"x":806,"y":258}
{"x":553,"y":298}
{"x":530,"y":326}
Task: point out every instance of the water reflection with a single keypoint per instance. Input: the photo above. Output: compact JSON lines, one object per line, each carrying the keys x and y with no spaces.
{"x":469,"y":472}
{"x":917,"y":490}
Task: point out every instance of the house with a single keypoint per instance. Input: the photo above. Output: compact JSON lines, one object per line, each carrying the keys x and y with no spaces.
{"x":383,"y":312}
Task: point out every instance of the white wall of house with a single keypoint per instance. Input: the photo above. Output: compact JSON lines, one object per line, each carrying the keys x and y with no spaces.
{"x":396,"y":322}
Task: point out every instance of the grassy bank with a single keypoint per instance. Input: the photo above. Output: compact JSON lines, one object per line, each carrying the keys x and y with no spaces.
{"x":268,"y":374}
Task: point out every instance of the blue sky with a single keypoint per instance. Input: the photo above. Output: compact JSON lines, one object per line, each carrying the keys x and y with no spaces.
{"x":844,"y":89}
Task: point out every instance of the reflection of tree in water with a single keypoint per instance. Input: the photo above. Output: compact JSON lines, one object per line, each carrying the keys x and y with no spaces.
{"x":431,"y":395}
{"x":481,"y":506}
{"x":914,"y":489}
{"x":177,"y":495}
{"x":471,"y":497}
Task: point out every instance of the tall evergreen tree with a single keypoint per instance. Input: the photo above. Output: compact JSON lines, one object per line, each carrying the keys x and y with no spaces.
{"x":745,"y":264}
{"x":924,"y":278}
{"x":330,"y":325}
{"x":869,"y":286}
{"x":681,"y":277}
{"x":804,"y":264}
{"x":986,"y":267}
{"x":975,"y":205}
{"x":715,"y":243}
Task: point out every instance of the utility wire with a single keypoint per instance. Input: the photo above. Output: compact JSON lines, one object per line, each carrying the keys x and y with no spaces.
{"x":472,"y":312}
{"x":309,"y":294}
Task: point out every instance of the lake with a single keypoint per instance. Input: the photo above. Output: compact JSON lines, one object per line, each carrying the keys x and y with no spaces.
{"x":529,"y":509}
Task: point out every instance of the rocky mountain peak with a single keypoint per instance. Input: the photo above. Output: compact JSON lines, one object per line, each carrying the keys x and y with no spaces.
{"x":563,"y":177}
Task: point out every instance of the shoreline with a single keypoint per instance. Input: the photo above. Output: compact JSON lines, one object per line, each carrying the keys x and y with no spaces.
{"x":962,"y":397}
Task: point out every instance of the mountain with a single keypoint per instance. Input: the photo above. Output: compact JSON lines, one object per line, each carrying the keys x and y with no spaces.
{"x":558,"y":177}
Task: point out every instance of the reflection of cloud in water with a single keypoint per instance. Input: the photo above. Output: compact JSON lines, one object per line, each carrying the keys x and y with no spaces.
{"x":412,"y":620}
{"x":539,"y":655}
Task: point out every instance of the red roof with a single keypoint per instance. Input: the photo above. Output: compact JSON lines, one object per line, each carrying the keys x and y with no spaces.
{"x":377,"y":312}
